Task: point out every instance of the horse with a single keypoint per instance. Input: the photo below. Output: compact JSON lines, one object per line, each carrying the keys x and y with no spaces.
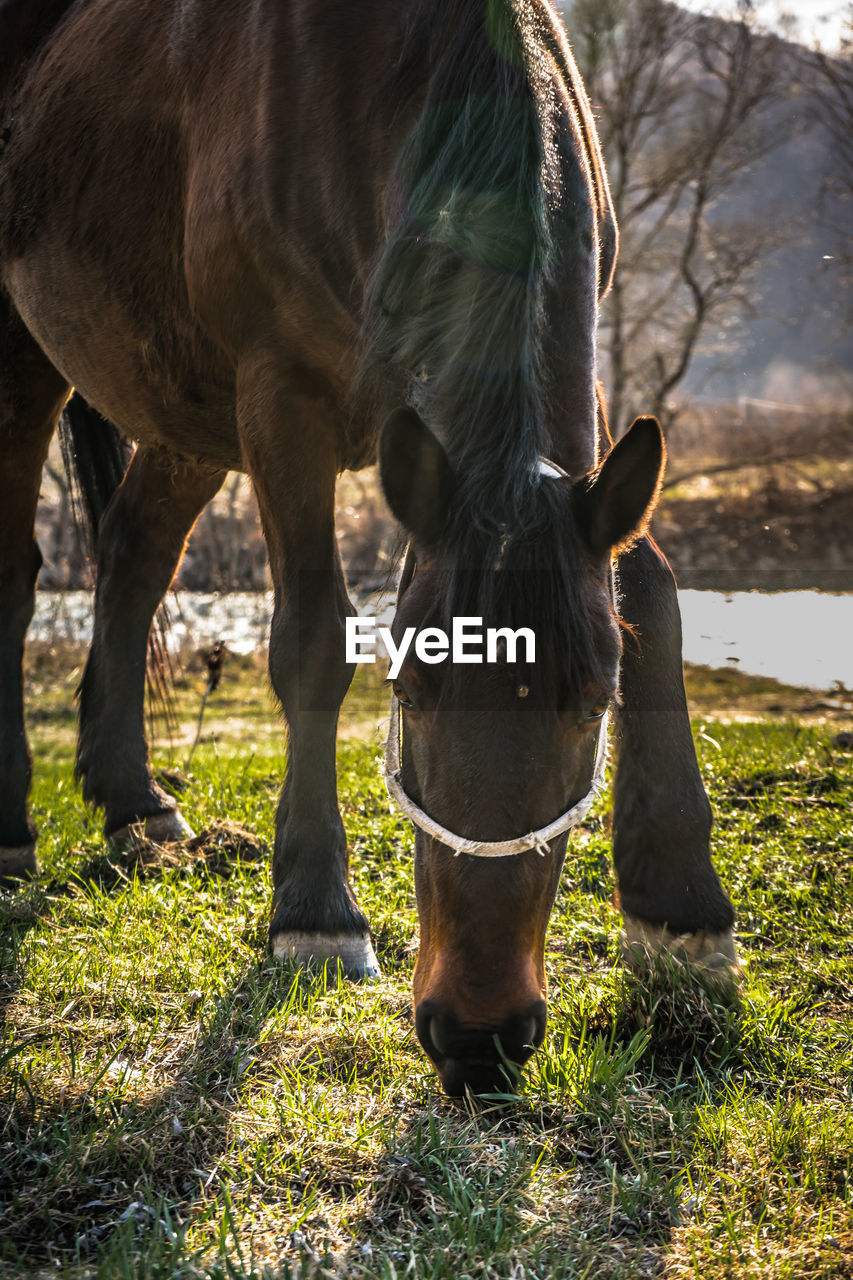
{"x":290,"y":237}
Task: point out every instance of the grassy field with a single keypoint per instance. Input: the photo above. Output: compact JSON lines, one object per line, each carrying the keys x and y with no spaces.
{"x":175,"y":1104}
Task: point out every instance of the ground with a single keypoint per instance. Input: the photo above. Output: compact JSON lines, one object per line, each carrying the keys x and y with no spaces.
{"x":771,"y":527}
{"x":174,"y":1103}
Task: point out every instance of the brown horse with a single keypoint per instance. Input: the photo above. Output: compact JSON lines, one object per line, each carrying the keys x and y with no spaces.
{"x":249,"y":232}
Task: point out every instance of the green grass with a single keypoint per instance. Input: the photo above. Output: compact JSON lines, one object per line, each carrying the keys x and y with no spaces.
{"x":175,"y":1104}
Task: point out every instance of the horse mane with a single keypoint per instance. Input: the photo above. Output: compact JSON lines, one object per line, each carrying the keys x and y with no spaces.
{"x":457,"y":306}
{"x":456,"y":300}
{"x":24,"y":25}
{"x":536,"y":577}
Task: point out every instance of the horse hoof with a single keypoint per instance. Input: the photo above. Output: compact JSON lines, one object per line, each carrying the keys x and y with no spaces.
{"x":714,"y":953}
{"x":354,"y":950}
{"x":18,"y":862}
{"x":160,"y":828}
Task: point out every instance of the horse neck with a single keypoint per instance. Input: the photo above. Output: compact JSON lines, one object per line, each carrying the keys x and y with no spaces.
{"x":488,"y":279}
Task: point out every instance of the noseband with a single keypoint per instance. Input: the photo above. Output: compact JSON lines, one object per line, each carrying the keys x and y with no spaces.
{"x":486,"y":848}
{"x":539,"y":839}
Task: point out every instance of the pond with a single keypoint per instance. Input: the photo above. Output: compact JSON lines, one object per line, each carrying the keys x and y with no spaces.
{"x":800,"y":637}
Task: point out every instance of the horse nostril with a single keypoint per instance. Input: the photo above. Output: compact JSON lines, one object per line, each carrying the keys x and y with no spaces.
{"x":437,"y":1035}
{"x":521,"y":1035}
{"x":517,"y":1039}
{"x":528,"y":1034}
{"x":479,"y":1057}
{"x":518,"y":1042}
{"x":432,"y":1029}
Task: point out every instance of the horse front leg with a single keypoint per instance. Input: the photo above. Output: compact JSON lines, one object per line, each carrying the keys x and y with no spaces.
{"x":670,"y":895}
{"x":140,"y":542}
{"x":292,"y":458}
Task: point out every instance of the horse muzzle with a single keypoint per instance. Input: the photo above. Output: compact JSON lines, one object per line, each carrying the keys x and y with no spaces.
{"x":482,"y":1059}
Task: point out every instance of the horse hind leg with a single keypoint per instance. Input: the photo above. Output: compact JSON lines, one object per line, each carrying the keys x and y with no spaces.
{"x":32,"y":394}
{"x":140,"y":542}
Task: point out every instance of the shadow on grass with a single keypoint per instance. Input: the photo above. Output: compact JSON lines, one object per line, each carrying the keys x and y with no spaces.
{"x":612,"y":1106}
{"x":612,"y":1113}
{"x":216,"y":851}
{"x":97,"y":1176}
{"x":122,"y":1155}
{"x":89,"y":1166}
{"x":20,"y":910}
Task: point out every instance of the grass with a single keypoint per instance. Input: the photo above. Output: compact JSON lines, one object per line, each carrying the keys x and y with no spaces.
{"x":173,"y":1103}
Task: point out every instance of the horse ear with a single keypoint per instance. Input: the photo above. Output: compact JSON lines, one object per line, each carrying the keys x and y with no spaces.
{"x":416,"y":475}
{"x":617,"y":501}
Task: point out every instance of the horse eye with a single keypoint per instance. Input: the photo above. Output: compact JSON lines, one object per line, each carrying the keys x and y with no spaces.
{"x":597,"y":712}
{"x":402,"y":697}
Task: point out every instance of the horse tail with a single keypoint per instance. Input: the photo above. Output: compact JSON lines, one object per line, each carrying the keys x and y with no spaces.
{"x":96,"y":456}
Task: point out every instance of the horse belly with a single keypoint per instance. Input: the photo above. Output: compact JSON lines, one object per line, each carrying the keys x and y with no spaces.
{"x":161,"y":381}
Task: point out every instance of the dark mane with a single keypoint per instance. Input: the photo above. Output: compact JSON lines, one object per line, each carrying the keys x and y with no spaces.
{"x":537,"y":577}
{"x":24,"y":25}
{"x":456,"y":302}
{"x":457,"y":307}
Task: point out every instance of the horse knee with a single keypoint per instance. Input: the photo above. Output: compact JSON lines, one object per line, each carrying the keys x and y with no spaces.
{"x":307,"y":660}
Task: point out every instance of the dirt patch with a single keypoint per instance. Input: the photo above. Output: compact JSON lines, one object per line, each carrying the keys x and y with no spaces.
{"x":720,"y":693}
{"x":214,"y":851}
{"x":771,"y":538}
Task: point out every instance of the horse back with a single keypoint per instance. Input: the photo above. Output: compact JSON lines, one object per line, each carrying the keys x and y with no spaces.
{"x":198,"y":177}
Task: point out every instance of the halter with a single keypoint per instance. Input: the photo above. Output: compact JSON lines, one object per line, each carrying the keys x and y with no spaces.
{"x":461,"y":844}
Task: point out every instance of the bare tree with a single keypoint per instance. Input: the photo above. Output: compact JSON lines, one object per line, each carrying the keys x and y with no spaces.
{"x":829,"y":84}
{"x":685,"y":105}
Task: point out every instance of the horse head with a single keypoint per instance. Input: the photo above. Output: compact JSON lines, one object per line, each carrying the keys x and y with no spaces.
{"x":492,"y":750}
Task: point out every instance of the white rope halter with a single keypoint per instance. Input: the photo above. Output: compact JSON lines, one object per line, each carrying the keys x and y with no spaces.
{"x":461,"y":844}
{"x":487,"y":848}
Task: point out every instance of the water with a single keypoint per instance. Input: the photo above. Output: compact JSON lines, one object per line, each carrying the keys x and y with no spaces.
{"x":800,"y":637}
{"x":198,"y":619}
